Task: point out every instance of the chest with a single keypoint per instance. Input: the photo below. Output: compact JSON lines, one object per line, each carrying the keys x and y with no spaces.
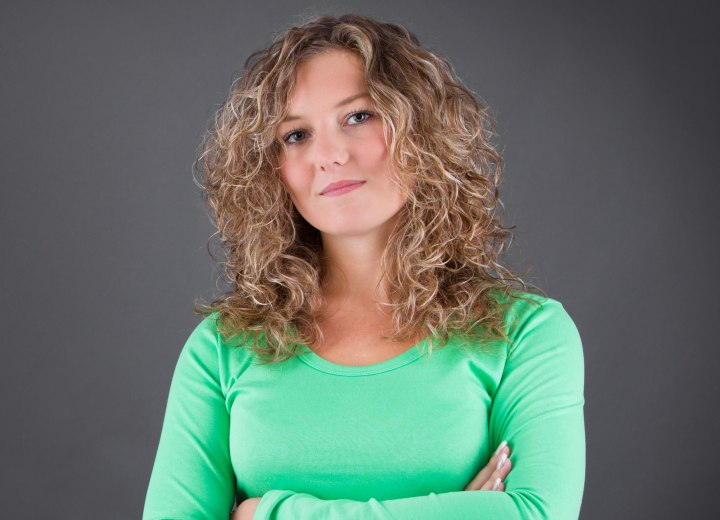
{"x":361,"y":350}
{"x":421,"y":428}
{"x":357,"y":339}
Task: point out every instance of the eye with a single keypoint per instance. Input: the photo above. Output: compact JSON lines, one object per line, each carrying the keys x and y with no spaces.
{"x":294,"y":136}
{"x":359,"y":117}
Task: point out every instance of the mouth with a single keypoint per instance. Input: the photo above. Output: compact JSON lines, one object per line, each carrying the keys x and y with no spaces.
{"x":341,"y":187}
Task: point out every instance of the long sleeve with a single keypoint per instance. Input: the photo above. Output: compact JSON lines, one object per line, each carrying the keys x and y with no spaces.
{"x":192,"y":477}
{"x":537,"y":408}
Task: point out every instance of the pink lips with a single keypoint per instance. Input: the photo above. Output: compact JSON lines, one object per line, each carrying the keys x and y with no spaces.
{"x":340,"y":187}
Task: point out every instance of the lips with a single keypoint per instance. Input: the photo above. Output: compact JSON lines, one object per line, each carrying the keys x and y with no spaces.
{"x":335,"y":186}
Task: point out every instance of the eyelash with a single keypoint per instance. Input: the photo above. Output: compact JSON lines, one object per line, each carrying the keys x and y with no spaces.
{"x":351,"y":114}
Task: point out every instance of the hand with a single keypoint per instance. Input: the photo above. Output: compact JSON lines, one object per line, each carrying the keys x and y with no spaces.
{"x":486,"y":478}
{"x":246,"y":509}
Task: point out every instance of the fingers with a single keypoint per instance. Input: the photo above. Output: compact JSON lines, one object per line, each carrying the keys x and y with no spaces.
{"x":498,"y":485}
{"x":497,"y":478}
{"x":498,"y":466}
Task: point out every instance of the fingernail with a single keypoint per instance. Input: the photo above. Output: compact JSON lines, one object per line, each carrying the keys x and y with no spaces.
{"x":501,"y":462}
{"x":502,"y":445}
{"x":496,"y":486}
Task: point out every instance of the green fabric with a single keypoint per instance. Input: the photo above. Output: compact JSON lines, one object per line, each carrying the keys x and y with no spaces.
{"x":397,"y":439}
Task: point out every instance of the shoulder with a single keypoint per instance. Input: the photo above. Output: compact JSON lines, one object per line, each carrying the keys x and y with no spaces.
{"x":206,"y":351}
{"x":207,"y":335}
{"x":541,"y":319}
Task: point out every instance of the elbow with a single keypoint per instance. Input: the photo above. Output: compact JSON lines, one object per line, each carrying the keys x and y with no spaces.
{"x":535,"y":506}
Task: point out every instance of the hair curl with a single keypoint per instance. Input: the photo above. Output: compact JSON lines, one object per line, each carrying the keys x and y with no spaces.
{"x":442,"y":258}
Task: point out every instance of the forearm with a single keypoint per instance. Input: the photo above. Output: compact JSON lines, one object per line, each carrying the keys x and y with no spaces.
{"x":285,"y":505}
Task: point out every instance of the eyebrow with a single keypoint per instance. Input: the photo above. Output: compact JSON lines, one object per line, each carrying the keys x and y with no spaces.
{"x":341,"y":103}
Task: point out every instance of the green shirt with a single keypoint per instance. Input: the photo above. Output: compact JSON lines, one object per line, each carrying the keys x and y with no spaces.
{"x":397,"y":439}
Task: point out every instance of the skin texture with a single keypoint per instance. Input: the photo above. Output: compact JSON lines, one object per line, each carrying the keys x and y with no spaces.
{"x":330,"y":142}
{"x":329,"y":139}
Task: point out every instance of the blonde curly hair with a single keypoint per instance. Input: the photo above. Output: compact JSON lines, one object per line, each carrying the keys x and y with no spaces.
{"x":441,"y":262}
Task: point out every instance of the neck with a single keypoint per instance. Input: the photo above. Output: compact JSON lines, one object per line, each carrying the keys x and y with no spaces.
{"x":353,"y":272}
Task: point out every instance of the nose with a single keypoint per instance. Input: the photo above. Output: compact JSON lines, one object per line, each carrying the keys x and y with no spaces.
{"x":331,"y":150}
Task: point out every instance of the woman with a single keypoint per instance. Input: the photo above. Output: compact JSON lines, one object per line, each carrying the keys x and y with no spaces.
{"x":373,"y":359}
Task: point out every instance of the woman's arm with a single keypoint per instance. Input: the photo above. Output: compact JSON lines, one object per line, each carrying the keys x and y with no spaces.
{"x":490,"y":478}
{"x":192,"y":477}
{"x":538,"y":409}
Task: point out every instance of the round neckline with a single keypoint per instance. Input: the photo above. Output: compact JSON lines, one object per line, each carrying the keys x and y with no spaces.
{"x":309,"y":357}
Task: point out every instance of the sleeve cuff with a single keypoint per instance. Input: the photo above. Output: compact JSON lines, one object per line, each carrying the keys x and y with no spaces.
{"x":269,"y":502}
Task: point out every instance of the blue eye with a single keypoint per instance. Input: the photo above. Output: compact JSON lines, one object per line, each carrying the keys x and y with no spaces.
{"x":359,"y":117}
{"x":298,"y":134}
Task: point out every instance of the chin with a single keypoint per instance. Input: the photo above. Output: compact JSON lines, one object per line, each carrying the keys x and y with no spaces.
{"x":352,"y":229}
{"x":349,"y":231}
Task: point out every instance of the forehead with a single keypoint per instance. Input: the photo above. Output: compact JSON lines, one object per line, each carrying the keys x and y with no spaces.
{"x":327,"y":77}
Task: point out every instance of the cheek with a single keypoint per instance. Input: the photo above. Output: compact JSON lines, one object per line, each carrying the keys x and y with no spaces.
{"x":292,"y":179}
{"x":375,"y":153}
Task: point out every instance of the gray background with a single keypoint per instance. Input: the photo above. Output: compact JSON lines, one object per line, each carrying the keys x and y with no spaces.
{"x":607,"y":115}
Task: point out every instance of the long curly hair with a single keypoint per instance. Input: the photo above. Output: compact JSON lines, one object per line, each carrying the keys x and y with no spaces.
{"x":441,"y":263}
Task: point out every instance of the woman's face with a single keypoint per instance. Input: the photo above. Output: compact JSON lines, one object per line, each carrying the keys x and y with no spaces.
{"x":336,"y":165}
